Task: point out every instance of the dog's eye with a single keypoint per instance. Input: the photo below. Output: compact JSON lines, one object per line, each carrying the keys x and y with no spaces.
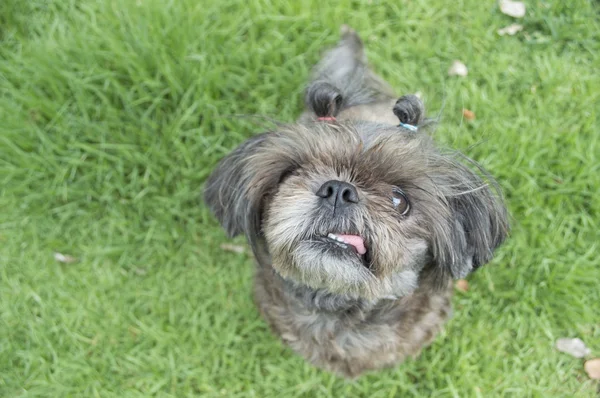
{"x":287,"y":173}
{"x":400,"y":201}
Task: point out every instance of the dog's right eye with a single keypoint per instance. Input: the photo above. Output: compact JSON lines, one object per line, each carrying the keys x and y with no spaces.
{"x":400,"y":201}
{"x":287,"y":173}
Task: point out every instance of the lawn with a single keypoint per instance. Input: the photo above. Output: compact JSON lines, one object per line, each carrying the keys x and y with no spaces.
{"x":113,"y":113}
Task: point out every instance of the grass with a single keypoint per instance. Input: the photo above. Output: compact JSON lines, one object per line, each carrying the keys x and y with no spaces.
{"x":112,"y":114}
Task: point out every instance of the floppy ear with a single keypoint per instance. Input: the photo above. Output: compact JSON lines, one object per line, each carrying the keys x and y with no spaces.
{"x":236,"y":190}
{"x":476,"y":222}
{"x":227,"y":190}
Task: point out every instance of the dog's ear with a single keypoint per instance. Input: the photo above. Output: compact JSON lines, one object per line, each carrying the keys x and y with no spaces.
{"x":476,"y":221}
{"x":227,"y":190}
{"x":237,"y":189}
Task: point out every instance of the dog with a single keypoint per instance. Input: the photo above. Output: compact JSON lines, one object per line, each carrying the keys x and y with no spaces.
{"x":357,"y":221}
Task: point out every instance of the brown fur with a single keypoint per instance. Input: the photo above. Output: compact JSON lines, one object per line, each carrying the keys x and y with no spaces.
{"x":359,"y":338}
{"x":345,"y":312}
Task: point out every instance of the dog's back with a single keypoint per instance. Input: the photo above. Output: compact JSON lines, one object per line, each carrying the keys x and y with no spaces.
{"x":344,"y":72}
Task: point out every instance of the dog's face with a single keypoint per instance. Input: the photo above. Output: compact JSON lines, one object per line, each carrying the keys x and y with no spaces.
{"x":360,"y":209}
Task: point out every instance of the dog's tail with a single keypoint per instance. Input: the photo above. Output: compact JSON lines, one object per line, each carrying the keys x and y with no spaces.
{"x":342,"y":79}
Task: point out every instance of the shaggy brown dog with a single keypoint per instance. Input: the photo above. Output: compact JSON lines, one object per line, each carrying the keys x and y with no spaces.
{"x":358,"y":224}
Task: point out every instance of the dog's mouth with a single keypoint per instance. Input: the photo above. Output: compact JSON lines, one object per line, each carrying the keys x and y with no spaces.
{"x":349,"y":243}
{"x":353,"y":242}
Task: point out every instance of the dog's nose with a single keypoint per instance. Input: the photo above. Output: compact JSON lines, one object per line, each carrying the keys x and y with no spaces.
{"x":338,"y":193}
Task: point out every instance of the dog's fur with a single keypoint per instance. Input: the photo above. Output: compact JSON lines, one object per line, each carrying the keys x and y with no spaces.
{"x":345,"y":312}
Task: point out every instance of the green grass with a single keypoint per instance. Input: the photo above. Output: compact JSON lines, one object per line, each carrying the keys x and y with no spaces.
{"x":112,"y":114}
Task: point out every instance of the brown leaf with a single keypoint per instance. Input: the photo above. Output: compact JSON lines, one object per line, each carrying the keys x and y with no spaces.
{"x":64,"y":258}
{"x":469,"y":115}
{"x":574,"y":347}
{"x":515,"y":9}
{"x":134,"y":332}
{"x":228,"y":247}
{"x":462,"y":285}
{"x":458,"y":69}
{"x":592,"y":368}
{"x":510,"y":30}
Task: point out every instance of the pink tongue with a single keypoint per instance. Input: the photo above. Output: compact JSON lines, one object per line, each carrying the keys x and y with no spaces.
{"x":356,"y":241}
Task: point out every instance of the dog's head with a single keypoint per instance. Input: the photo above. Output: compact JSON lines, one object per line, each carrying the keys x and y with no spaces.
{"x":357,"y":208}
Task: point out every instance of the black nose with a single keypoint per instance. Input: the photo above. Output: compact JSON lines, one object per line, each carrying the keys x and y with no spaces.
{"x":338,"y":193}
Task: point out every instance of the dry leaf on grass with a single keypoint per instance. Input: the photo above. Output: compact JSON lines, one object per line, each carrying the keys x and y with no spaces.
{"x":592,"y":368}
{"x":462,"y":285}
{"x":458,"y":69}
{"x":228,"y":247}
{"x":64,"y":258}
{"x":510,"y":30}
{"x":515,"y":9}
{"x":135,"y":332}
{"x":469,"y":115}
{"x":574,"y":347}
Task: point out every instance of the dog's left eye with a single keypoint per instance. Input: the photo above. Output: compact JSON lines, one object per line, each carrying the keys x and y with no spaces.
{"x":400,"y":201}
